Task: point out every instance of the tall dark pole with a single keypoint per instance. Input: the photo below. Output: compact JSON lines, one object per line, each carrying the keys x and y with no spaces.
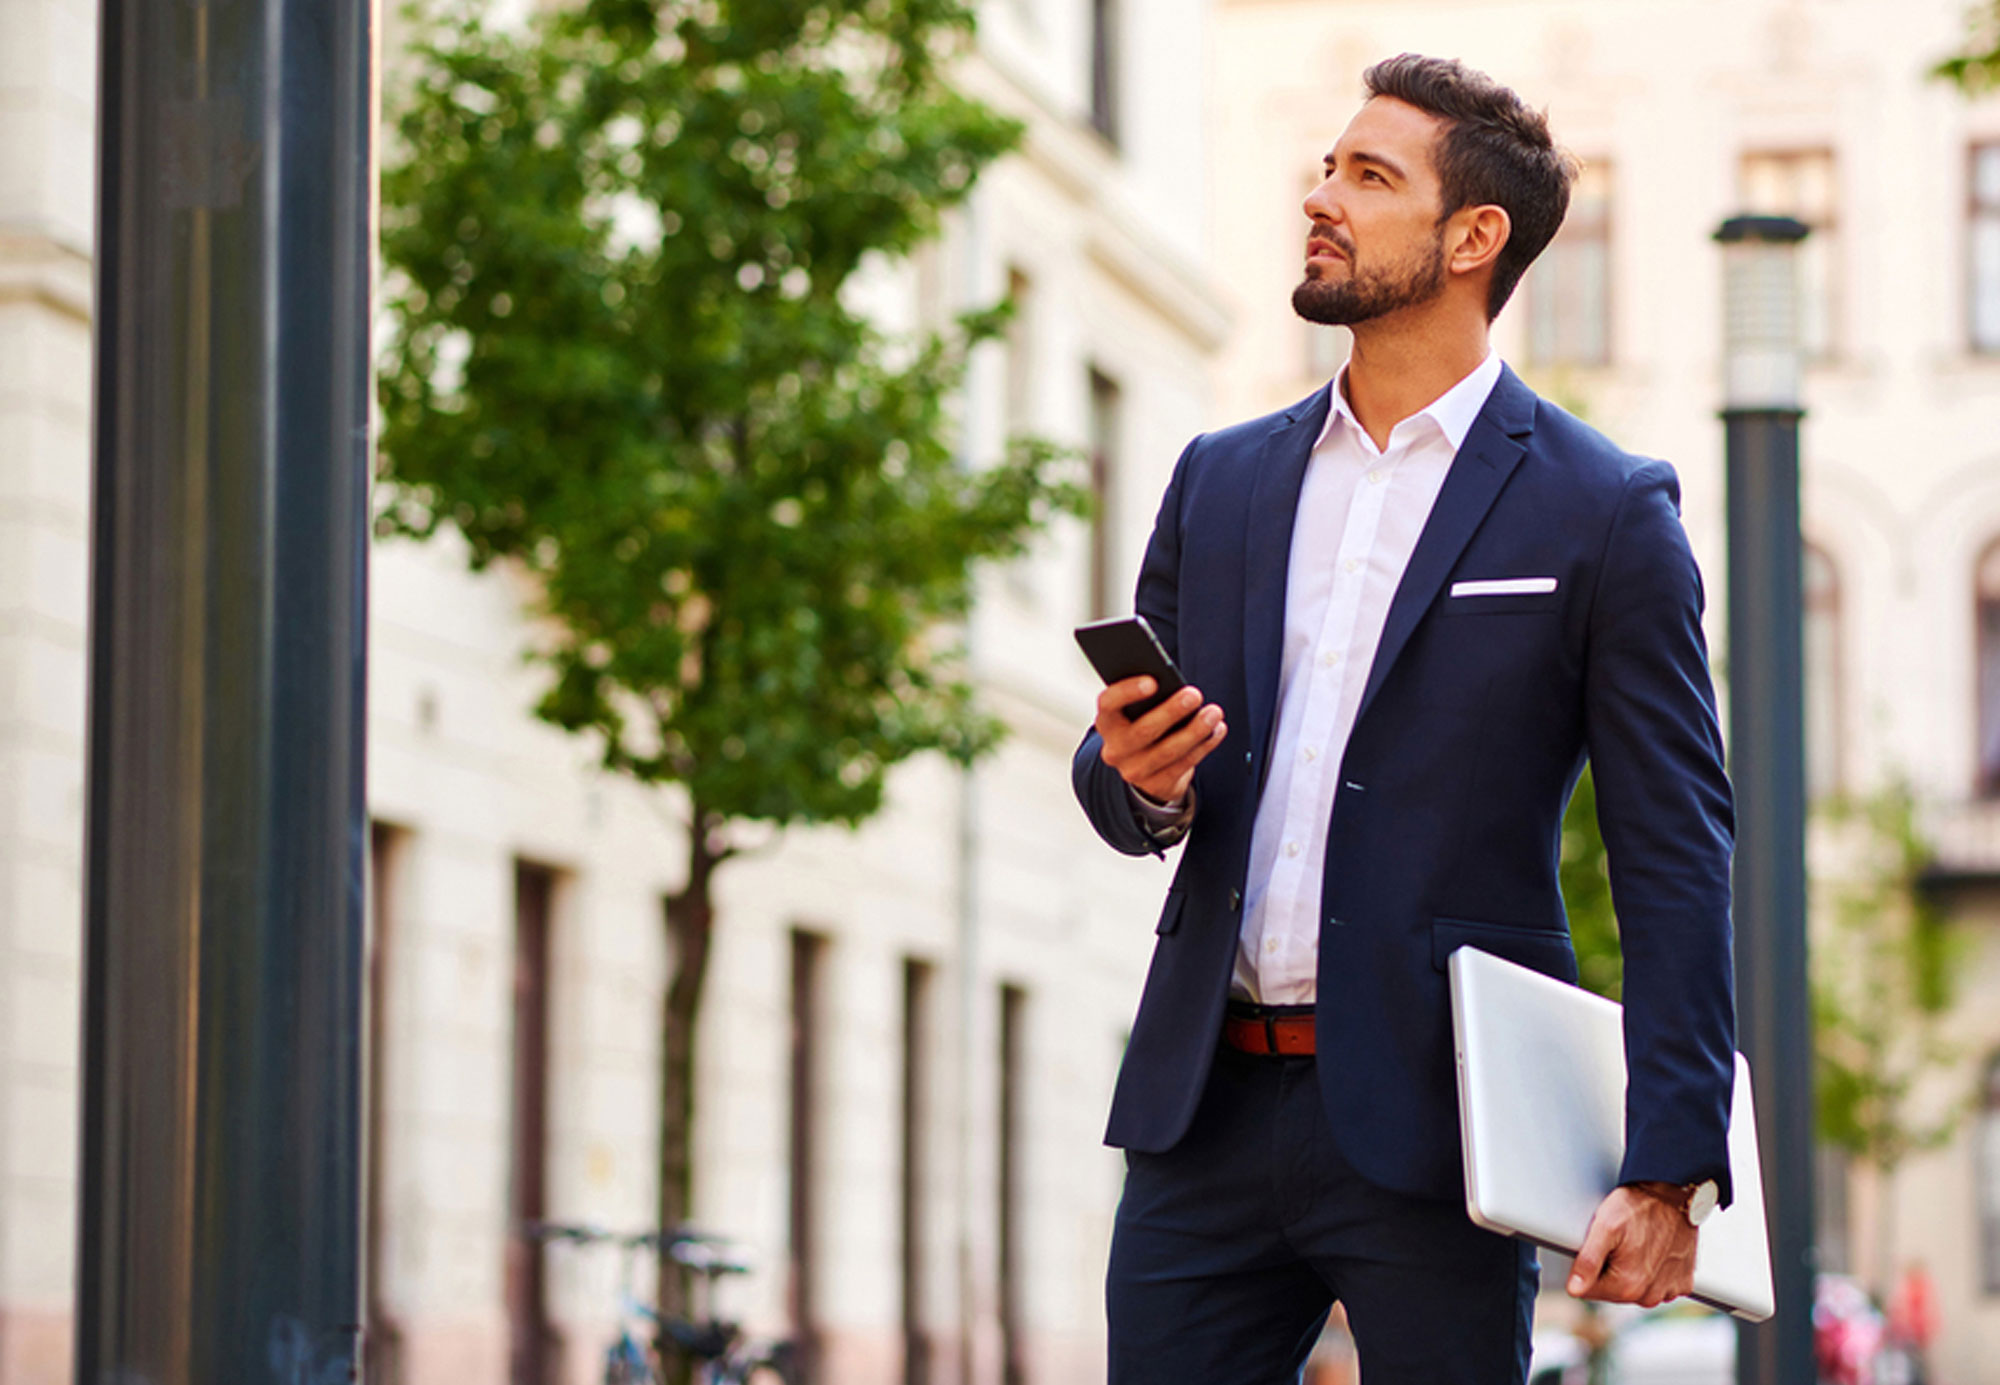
{"x":220,"y":1224}
{"x":1767,"y":762}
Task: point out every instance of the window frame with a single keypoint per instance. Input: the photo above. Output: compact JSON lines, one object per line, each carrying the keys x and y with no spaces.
{"x":1825,"y":230}
{"x":1976,"y":212}
{"x":1833,"y":602}
{"x":1104,"y":107}
{"x":1985,"y":725}
{"x":1601,"y":231}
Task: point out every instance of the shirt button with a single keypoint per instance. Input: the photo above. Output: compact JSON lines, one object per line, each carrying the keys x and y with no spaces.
{"x":1352,"y":565}
{"x":1270,"y":946}
{"x":1235,"y":898}
{"x":1374,"y":478}
{"x":1291,"y":848}
{"x":1309,"y":754}
{"x":1329,"y":659}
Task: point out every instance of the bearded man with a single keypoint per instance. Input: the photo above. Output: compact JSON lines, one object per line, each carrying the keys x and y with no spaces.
{"x":1409,"y":608}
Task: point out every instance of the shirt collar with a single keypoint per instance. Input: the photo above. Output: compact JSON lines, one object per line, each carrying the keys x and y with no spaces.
{"x":1454,"y":412}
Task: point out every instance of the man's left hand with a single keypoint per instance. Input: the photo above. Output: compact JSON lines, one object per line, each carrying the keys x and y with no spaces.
{"x":1638,"y":1250}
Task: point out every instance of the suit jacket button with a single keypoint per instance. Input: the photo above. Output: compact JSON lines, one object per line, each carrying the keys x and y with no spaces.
{"x":1235,"y":899}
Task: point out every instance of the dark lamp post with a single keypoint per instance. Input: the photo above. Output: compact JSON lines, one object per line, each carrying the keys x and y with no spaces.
{"x":1761,"y":413}
{"x":219,"y":1185}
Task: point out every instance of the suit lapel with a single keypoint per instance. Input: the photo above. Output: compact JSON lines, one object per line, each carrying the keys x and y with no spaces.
{"x":1267,"y":548}
{"x":1491,"y":452}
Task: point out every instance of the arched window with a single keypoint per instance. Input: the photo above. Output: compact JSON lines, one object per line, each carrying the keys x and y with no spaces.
{"x":1987,"y":689}
{"x":1822,"y":673}
{"x":1988,"y":1142}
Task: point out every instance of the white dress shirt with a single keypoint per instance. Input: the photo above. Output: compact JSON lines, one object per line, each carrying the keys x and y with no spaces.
{"x":1360,"y":513}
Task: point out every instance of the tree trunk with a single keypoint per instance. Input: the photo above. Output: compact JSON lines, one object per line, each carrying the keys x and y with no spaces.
{"x":690,"y":926}
{"x":1885,"y":1233}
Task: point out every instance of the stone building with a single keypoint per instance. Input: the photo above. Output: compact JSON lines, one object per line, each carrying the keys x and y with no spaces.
{"x":1686,"y":112}
{"x":910,"y":1030}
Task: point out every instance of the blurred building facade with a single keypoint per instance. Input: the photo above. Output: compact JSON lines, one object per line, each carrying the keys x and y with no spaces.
{"x":1685,"y":112}
{"x":910,"y":1031}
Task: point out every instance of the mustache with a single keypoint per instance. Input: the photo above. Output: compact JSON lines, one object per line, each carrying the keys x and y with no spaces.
{"x":1326,"y":238}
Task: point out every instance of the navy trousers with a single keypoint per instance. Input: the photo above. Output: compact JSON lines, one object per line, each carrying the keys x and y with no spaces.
{"x":1231,"y":1247}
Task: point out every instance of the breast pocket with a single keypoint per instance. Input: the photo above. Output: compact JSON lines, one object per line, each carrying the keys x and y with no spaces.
{"x":1502,"y":604}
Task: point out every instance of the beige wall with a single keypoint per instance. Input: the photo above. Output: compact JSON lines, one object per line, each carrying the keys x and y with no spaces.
{"x":47,"y":85}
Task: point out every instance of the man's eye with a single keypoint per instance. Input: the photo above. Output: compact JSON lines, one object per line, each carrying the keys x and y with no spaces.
{"x":1368,"y":173}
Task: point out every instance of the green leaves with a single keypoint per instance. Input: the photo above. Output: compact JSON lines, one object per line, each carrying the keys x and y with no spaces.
{"x":1884,"y":974}
{"x":616,"y":243}
{"x":1586,"y":888}
{"x":1976,"y":70}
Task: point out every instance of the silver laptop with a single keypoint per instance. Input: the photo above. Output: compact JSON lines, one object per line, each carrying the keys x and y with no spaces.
{"x":1541,"y":1100}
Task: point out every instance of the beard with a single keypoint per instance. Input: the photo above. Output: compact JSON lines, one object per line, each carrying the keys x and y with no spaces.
{"x":1366,"y":294}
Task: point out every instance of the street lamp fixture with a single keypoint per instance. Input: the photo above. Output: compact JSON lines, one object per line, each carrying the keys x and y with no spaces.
{"x":1760,"y":318}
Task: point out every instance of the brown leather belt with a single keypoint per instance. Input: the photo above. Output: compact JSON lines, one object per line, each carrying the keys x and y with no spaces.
{"x":1255,"y":1029}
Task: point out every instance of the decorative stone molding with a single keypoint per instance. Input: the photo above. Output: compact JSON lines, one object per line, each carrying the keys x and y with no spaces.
{"x":36,"y":266}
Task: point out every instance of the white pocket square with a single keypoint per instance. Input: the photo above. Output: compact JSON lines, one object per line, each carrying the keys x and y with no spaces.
{"x":1505,"y":586}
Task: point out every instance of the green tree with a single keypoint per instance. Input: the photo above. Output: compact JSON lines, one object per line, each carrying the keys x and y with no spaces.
{"x":1976,"y":68}
{"x":1884,"y":967}
{"x":620,"y":240}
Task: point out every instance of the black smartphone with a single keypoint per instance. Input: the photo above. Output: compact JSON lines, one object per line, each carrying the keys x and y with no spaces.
{"x":1126,"y":647}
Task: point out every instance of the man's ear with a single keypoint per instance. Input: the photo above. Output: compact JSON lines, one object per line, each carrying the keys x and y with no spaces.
{"x":1475,"y":238}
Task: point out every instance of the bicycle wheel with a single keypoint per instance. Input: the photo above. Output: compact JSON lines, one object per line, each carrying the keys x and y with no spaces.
{"x":772,"y":1368}
{"x":625,"y":1364}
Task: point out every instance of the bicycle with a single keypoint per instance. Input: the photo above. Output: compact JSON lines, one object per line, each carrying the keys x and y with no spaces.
{"x":718,"y":1348}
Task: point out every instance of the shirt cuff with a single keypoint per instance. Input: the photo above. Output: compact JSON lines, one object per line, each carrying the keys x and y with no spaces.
{"x":1165,"y":823}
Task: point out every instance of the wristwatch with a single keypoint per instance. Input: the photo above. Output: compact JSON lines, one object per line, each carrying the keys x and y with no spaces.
{"x":1695,"y":1201}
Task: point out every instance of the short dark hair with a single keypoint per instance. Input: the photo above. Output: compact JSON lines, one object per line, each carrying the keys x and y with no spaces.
{"x":1495,"y":149}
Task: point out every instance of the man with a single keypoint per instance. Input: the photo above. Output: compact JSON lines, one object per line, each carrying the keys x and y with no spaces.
{"x":1414,"y":603}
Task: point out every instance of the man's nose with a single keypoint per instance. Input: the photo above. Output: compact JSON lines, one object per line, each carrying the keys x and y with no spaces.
{"x":1320,"y":203}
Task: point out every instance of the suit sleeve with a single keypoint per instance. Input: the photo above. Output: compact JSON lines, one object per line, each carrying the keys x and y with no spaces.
{"x":1664,"y":807}
{"x":1106,"y":800}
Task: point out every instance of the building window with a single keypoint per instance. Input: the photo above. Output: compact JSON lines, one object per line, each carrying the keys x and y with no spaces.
{"x":1105,"y":409}
{"x":1569,"y":288}
{"x":1020,"y":342}
{"x":808,"y":963}
{"x":382,"y":1343}
{"x":1989,"y":1177}
{"x":533,"y":1347}
{"x":1987,"y":646}
{"x":1822,"y":672}
{"x":1104,"y":51}
{"x":1803,"y":185}
{"x":1985,"y":228}
{"x":918,"y":988}
{"x":1013,"y":1326}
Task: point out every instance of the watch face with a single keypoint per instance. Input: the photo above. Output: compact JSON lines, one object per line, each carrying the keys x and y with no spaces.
{"x":1702,"y":1201}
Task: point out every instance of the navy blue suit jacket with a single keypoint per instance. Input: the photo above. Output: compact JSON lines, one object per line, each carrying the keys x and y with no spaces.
{"x":1478,"y":714}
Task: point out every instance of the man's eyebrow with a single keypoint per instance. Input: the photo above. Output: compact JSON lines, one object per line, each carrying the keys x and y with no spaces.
{"x":1381,"y":161}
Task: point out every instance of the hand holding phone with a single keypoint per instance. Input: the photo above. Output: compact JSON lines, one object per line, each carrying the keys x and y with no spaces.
{"x":1126,"y":647}
{"x":1153,"y":739}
